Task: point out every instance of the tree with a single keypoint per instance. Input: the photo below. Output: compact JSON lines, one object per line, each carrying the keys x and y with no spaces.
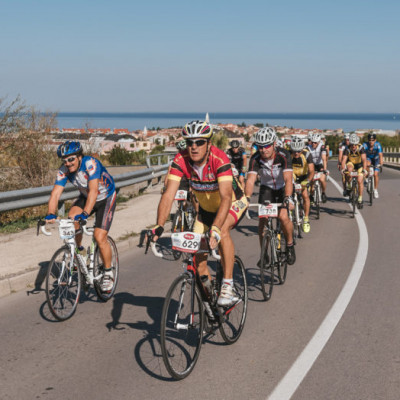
{"x":220,"y":140}
{"x":119,"y":156}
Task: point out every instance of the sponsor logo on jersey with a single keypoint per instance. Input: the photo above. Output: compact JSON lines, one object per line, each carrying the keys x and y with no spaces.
{"x":91,"y":167}
{"x":60,"y":175}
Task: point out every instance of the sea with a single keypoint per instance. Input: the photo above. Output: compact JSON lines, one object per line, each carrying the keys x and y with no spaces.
{"x":135,"y":121}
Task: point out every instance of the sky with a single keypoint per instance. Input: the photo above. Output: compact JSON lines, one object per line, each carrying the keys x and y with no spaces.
{"x":195,"y":56}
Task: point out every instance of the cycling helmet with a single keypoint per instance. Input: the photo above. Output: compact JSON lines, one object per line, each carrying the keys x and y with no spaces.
{"x":279,"y":143}
{"x":197,"y":129}
{"x":297,"y":144}
{"x":181,"y":145}
{"x":372,"y":136}
{"x":316,"y":138}
{"x":265,"y":136}
{"x":69,"y":148}
{"x":322,"y":136}
{"x":235,"y":143}
{"x":309,"y":136}
{"x":346,"y":136}
{"x":354,"y":139}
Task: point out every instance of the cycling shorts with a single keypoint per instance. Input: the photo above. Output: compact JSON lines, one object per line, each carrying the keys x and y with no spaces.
{"x":205,"y":218}
{"x":319,"y":167}
{"x":300,"y":179}
{"x":272,"y":195}
{"x":104,"y":210}
{"x":356,"y":167}
{"x":374,"y":162}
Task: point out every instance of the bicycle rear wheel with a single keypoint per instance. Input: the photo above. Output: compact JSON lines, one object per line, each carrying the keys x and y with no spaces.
{"x":370,"y":187}
{"x":266,"y":267}
{"x":99,"y":270}
{"x":233,"y":318}
{"x":282,"y":263}
{"x":63,"y":284}
{"x":317,"y":198}
{"x":181,"y":336}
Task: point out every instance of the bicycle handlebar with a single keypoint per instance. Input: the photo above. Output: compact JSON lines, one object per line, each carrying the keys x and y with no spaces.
{"x":168,"y":234}
{"x":42,"y":225}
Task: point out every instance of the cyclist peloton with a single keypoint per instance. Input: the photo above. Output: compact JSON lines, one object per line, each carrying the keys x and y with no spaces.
{"x":342,"y":147}
{"x":274,"y":166}
{"x":303,"y":173}
{"x":355,"y":159}
{"x":318,"y":153}
{"x":374,"y":152}
{"x":97,"y":195}
{"x":221,"y":200}
{"x":238,"y":158}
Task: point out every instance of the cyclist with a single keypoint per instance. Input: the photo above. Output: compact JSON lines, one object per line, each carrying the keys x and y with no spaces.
{"x":221,"y":201}
{"x":97,"y":195}
{"x":318,"y":153}
{"x":354,"y":158}
{"x":342,"y":147}
{"x":303,"y":173}
{"x":374,"y":152}
{"x":274,"y":165}
{"x":323,"y":139}
{"x":238,"y":157}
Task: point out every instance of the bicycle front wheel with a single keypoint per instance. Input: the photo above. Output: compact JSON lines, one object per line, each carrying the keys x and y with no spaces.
{"x":181,"y":327}
{"x":282,"y":262}
{"x":267,"y":267}
{"x":232,"y":318}
{"x":317,"y":202}
{"x":354,"y":198}
{"x":63,"y":284}
{"x":99,"y":270}
{"x":370,"y":186}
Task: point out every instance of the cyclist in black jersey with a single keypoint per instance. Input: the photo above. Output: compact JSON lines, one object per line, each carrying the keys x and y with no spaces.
{"x":238,"y":158}
{"x":274,"y":165}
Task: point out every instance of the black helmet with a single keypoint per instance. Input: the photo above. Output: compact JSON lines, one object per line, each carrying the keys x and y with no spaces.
{"x":372,"y":136}
{"x":235,"y":143}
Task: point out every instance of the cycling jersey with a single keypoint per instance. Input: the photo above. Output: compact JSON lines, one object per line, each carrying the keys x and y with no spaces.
{"x":373,"y":152}
{"x":343,"y":146}
{"x":204,"y":180}
{"x":271,"y":171}
{"x":90,"y":169}
{"x":237,"y":158}
{"x":317,"y":153}
{"x":300,"y":165}
{"x":355,"y":156}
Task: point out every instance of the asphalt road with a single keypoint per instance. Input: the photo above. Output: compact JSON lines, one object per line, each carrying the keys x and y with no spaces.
{"x":112,"y":350}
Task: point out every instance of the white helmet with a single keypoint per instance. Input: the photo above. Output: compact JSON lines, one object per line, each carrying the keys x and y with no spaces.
{"x":309,"y":136}
{"x":279,"y":143}
{"x":265,"y":136}
{"x":297,"y":144}
{"x":197,"y":129}
{"x":322,"y":136}
{"x":346,"y":136}
{"x":316,"y":138}
{"x":354,"y":139}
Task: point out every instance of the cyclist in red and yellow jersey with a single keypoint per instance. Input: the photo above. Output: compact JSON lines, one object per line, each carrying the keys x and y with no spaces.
{"x":221,"y":199}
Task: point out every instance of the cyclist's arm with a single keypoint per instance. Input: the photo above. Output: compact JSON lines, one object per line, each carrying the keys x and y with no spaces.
{"x":344,"y":160}
{"x":288,"y":178}
{"x":364,"y":161}
{"x":381,"y":159}
{"x":311,"y":171}
{"x":251,"y":180}
{"x":165,"y":205}
{"x":54,"y":198}
{"x":92,"y":195}
{"x":244,"y":162}
{"x":324,"y":160}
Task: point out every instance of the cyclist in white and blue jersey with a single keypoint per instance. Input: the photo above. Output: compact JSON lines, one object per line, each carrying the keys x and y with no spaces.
{"x":374,"y":152}
{"x":97,"y":195}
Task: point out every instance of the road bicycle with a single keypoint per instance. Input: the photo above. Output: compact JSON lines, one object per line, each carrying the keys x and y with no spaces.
{"x":317,"y":193}
{"x":190,"y":307}
{"x":273,"y":263}
{"x":69,"y":269}
{"x":354,"y":194}
{"x":371,"y":184}
{"x":184,"y":217}
{"x":298,"y":212}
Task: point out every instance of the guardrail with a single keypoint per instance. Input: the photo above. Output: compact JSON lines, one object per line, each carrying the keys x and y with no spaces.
{"x":391,"y":156}
{"x":16,"y":199}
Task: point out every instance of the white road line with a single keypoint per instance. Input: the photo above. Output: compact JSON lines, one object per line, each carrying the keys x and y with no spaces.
{"x":293,"y":378}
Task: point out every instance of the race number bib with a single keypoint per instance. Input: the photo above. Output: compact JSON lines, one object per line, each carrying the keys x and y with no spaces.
{"x":353,"y":173}
{"x":181,"y":195}
{"x":186,"y":242}
{"x":66,"y":229}
{"x":271,"y":210}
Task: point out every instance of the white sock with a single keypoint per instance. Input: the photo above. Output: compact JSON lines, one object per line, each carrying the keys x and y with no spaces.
{"x":227,"y":281}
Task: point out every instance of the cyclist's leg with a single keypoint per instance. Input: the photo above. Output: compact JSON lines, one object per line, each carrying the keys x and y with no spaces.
{"x":76,"y":209}
{"x":360,"y":179}
{"x":202,"y":225}
{"x":376,"y":172}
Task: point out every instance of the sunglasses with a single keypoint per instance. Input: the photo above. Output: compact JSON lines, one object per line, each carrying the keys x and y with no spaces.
{"x":198,"y":143}
{"x":69,"y":159}
{"x":265,"y":146}
{"x":371,"y":140}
